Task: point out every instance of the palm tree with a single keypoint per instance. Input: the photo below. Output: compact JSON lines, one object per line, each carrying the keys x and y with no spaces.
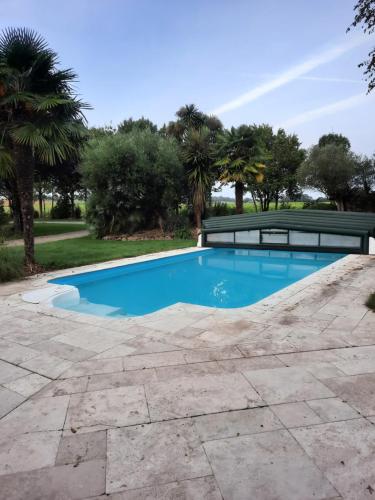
{"x":197,"y":155}
{"x":40,"y":117}
{"x":238,"y":161}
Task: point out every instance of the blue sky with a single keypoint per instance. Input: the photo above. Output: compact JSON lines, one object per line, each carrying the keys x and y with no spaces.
{"x":149,"y":57}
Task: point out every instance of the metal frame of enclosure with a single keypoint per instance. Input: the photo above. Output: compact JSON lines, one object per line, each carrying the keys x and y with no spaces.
{"x":305,"y":230}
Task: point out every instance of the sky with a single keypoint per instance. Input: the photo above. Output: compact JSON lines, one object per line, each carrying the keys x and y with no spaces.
{"x":288,"y":63}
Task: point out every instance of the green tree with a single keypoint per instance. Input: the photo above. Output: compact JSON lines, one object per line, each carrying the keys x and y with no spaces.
{"x":39,"y":115}
{"x":196,"y":134}
{"x":365,"y":17}
{"x":240,"y":160}
{"x":135,"y":181}
{"x":331,"y":170}
{"x":198,"y":156}
{"x":336,"y":139}
{"x":280,"y":175}
{"x":140,"y":124}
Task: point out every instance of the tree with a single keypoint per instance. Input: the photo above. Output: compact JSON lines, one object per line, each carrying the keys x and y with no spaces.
{"x":240,"y":158}
{"x":280,"y":175}
{"x":329,"y":169}
{"x":336,"y":139}
{"x":140,"y":124}
{"x":135,"y":179}
{"x":39,"y":115}
{"x":198,"y":155}
{"x":365,"y":17}
{"x":196,"y":134}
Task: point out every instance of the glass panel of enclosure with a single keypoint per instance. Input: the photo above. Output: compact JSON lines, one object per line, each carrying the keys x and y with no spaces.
{"x":220,"y":238}
{"x":302,"y":238}
{"x":250,"y":237}
{"x":339,"y":240}
{"x":274,"y":236}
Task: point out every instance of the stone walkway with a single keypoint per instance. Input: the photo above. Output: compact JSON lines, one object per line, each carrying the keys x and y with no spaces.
{"x":272,"y":401}
{"x":50,"y":238}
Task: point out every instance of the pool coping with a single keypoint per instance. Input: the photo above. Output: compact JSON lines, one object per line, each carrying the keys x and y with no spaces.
{"x":42,"y":294}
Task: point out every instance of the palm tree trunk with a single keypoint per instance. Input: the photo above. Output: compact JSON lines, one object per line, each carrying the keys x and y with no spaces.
{"x":198,"y":217}
{"x":239,"y":189}
{"x":24,"y":164}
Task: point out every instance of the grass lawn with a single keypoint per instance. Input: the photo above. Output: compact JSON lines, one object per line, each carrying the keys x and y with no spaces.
{"x":50,"y":228}
{"x":87,"y":250}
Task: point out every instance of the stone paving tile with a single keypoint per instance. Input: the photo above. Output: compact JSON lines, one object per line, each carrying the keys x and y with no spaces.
{"x":82,"y":447}
{"x":265,"y":347}
{"x":216,"y":354}
{"x":121,"y":379}
{"x":9,"y":400}
{"x":356,"y":366}
{"x":264,"y":467}
{"x":332,"y":409}
{"x":247,"y":364}
{"x":357,"y":353}
{"x":287,"y":385}
{"x":296,"y":414}
{"x":235,"y":423}
{"x":93,"y":338}
{"x":357,"y":390}
{"x":303,"y":358}
{"x":47,"y":365}
{"x":153,"y":360}
{"x":191,"y":370}
{"x":155,"y":453}
{"x":25,"y":337}
{"x":345,"y":452}
{"x":93,"y":367}
{"x":9,"y":372}
{"x":64,"y":351}
{"x":110,"y":407}
{"x":45,"y":414}
{"x":65,"y":482}
{"x":147,"y":346}
{"x":28,"y":451}
{"x":63,"y":387}
{"x":29,"y":385}
{"x":185,"y":396}
{"x":15,"y":353}
{"x":120,"y":350}
{"x":202,"y":488}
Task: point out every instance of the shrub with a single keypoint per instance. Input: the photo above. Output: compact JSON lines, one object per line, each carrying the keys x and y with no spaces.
{"x":77,"y":212}
{"x":220,"y":208}
{"x":36,"y":214}
{"x":11,"y":266}
{"x":316,"y":205}
{"x":62,"y":209}
{"x":134,"y":178}
{"x":183,"y":233}
{"x":3,"y":215}
{"x":370,"y":302}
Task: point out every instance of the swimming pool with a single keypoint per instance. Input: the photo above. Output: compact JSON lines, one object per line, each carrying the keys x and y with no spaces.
{"x":224,"y":278}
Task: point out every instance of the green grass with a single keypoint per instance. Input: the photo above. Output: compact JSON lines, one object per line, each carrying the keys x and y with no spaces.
{"x":370,"y":303}
{"x":87,"y":250}
{"x":48,"y":229}
{"x":249,"y":206}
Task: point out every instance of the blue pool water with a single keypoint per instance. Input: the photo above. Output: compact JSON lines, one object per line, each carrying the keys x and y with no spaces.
{"x":225,"y":278}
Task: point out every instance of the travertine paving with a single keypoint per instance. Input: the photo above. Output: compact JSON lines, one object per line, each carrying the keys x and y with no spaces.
{"x":271,"y":401}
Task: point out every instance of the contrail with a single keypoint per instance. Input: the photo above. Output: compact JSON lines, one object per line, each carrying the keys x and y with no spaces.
{"x":291,"y":74}
{"x":324,"y":110}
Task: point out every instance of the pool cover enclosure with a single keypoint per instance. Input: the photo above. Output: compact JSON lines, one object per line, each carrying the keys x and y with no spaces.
{"x":311,"y":230}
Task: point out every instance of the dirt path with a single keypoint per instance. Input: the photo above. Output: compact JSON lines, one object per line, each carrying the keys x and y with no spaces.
{"x":53,"y":237}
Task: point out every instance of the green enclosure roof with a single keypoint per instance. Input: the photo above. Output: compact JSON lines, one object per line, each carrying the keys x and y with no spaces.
{"x":324,"y":221}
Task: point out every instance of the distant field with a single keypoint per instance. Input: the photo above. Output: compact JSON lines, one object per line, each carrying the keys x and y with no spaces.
{"x":48,"y":206}
{"x":249,"y":207}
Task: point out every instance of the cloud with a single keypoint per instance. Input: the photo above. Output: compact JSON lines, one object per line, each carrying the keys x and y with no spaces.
{"x":291,"y":74}
{"x":329,"y":109}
